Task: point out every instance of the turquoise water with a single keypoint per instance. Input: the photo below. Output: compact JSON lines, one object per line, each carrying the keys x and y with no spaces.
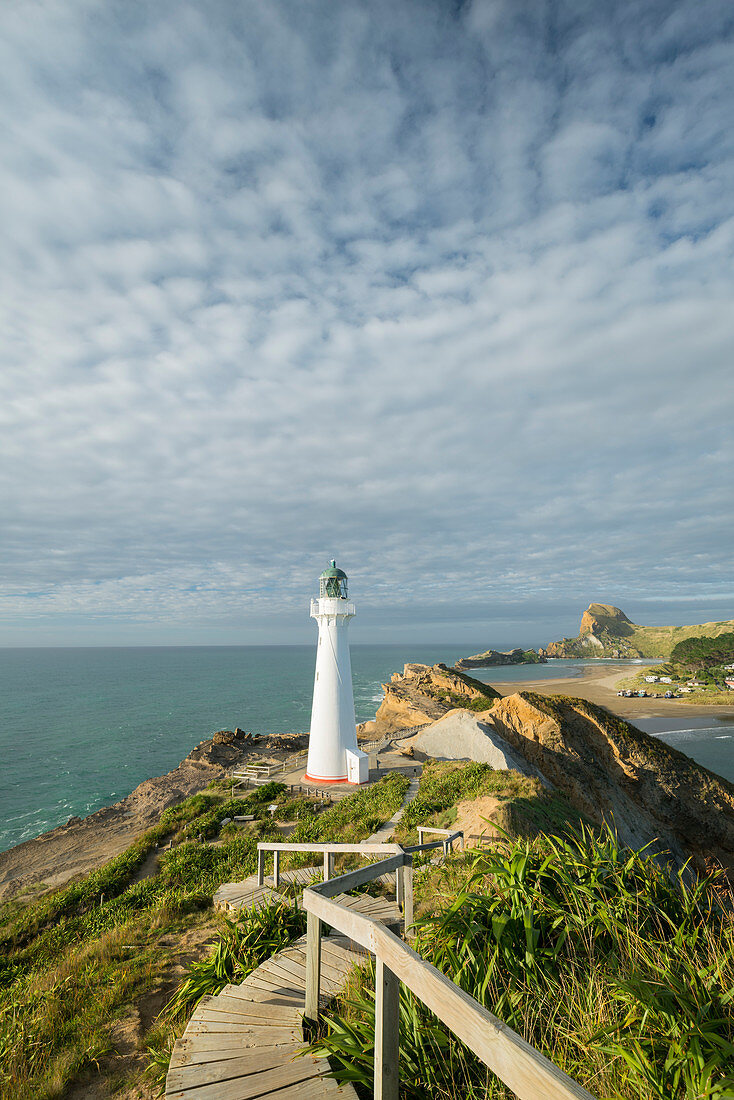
{"x":80,"y":728}
{"x":557,"y":669}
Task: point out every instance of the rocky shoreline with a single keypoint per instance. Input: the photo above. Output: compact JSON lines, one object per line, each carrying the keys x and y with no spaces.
{"x":422,"y":695}
{"x":82,"y":844}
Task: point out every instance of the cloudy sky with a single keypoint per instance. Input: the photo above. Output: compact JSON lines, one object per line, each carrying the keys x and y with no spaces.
{"x":443,"y":290}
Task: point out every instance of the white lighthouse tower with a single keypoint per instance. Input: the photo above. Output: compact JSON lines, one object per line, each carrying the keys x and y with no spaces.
{"x":333,"y":756}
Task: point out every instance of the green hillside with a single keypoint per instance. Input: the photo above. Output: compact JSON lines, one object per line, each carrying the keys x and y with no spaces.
{"x":606,"y":631}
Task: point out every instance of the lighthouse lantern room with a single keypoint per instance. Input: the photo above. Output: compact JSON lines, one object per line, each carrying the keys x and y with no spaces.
{"x":333,"y":756}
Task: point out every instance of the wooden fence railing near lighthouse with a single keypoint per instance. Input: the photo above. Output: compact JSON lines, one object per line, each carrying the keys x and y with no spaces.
{"x":522,"y":1068}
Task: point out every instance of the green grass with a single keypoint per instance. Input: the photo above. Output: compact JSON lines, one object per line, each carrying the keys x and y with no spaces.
{"x":357,"y":815}
{"x":240,"y":948}
{"x":526,"y":805}
{"x":620,"y":974}
{"x":73,"y":960}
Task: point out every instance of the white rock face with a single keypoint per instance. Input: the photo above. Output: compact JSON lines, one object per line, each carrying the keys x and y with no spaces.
{"x":460,"y":735}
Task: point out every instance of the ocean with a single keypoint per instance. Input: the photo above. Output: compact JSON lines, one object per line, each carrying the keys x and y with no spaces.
{"x":80,"y":728}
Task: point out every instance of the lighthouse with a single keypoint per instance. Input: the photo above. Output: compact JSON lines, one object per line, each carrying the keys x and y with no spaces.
{"x":333,"y":756}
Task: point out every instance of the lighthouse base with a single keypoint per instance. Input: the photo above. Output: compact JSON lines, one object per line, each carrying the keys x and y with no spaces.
{"x":358,"y":771}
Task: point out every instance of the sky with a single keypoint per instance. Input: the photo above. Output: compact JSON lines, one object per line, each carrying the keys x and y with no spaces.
{"x":441,"y":290}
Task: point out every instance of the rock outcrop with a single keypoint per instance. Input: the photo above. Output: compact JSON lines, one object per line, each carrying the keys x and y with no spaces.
{"x":461,"y":735}
{"x":613,"y":772}
{"x":609,"y":770}
{"x":492,"y":658}
{"x":423,"y":693}
{"x":605,"y":631}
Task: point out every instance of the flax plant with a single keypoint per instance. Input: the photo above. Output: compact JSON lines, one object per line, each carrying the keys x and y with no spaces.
{"x":620,"y":971}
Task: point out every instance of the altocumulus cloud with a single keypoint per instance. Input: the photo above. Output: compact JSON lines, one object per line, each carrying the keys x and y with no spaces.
{"x":443,"y":289}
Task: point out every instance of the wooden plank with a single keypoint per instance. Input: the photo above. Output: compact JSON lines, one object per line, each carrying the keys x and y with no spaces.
{"x":249,"y":1035}
{"x":252,"y":1061}
{"x":366,"y":848}
{"x":212,"y":1048}
{"x":387,"y":1018}
{"x":294,"y":962}
{"x":338,"y":956}
{"x":246,"y":1088}
{"x":408,"y":917}
{"x":232,"y":889}
{"x":272,"y":984}
{"x":258,"y":1010}
{"x":250,"y":1083}
{"x":378,"y":908}
{"x":331,"y":979}
{"x":522,"y":1068}
{"x":318,"y":1088}
{"x":191,"y":1043}
{"x":255,"y":995}
{"x":344,"y":883}
{"x":312,"y":1002}
{"x":330,"y":966}
{"x":262,"y":1055}
{"x":214,"y":1014}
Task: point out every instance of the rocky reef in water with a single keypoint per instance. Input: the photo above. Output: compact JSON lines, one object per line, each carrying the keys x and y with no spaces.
{"x":494,"y":657}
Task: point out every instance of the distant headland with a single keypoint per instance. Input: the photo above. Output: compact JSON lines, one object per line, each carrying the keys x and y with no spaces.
{"x":606,"y":631}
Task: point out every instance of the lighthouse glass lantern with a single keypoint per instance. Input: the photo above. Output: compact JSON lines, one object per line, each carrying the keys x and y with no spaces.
{"x":333,"y":756}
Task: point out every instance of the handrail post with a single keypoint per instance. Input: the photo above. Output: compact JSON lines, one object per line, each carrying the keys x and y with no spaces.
{"x":260,"y":866}
{"x":313,"y":966}
{"x":387,"y":1041}
{"x":276,"y":869}
{"x":400,"y":886}
{"x":407,"y":894}
{"x":420,"y":835}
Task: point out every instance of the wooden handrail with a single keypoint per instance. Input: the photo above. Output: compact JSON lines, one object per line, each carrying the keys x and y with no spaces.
{"x":319,"y":846}
{"x":520,"y":1066}
{"x":328,"y":851}
{"x":448,"y":843}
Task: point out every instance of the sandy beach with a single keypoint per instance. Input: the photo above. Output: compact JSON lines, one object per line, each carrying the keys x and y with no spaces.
{"x":599,"y":685}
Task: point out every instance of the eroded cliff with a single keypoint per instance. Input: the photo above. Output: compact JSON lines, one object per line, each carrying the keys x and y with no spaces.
{"x":423,"y":693}
{"x":609,"y":770}
{"x":613,"y":772}
{"x":605,"y":631}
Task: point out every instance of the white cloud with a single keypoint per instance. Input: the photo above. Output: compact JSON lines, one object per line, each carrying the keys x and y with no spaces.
{"x":447,"y":295}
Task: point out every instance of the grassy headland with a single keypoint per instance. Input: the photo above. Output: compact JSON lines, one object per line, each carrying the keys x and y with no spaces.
{"x":106,"y":952}
{"x":619,"y":971}
{"x":606,"y":631}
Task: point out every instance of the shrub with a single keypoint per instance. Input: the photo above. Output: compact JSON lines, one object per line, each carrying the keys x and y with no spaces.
{"x":621,"y":975}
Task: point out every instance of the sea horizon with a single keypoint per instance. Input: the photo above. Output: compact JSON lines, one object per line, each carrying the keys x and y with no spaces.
{"x":82,"y":726}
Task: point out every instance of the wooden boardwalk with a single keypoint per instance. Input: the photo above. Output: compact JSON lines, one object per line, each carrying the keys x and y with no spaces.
{"x":247,"y":1042}
{"x":236,"y":896}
